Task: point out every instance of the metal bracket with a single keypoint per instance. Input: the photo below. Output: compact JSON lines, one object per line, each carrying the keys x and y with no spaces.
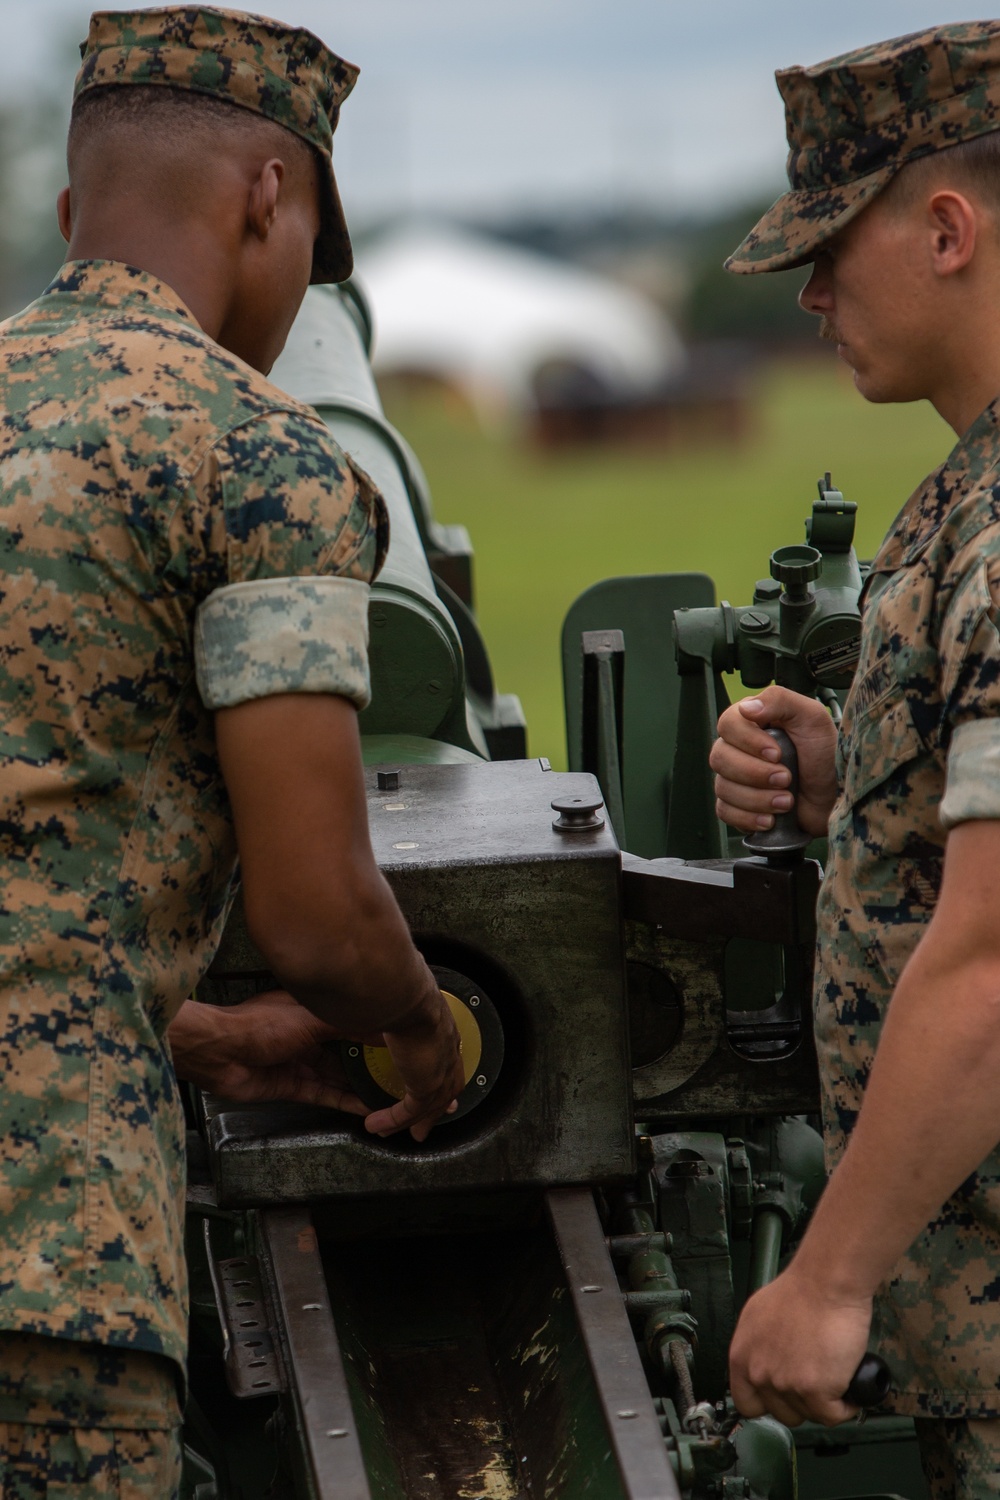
{"x":327,"y":1434}
{"x":602,"y":726}
{"x":253,"y":1365}
{"x":633,"y":1427}
{"x":749,"y":898}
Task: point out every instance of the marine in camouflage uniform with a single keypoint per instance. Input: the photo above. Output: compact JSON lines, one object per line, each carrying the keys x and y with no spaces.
{"x":919,"y":747}
{"x":177,"y":536}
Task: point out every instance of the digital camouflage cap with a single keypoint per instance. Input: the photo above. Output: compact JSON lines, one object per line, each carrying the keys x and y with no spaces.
{"x":854,"y":121}
{"x":281,"y":72}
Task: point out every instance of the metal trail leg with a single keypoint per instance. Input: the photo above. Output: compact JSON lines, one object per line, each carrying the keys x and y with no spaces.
{"x":334,"y":1467}
{"x":634,"y":1428}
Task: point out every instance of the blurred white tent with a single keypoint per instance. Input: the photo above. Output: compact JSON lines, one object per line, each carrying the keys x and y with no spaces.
{"x":497,"y":322}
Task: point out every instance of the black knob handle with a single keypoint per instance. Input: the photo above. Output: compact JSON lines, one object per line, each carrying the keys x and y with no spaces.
{"x":870,"y":1383}
{"x":785,"y":840}
{"x":796,"y":567}
{"x":577,"y":814}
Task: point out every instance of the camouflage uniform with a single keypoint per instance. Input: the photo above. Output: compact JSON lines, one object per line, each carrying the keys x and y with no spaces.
{"x":919,"y":749}
{"x":83,"y":1420}
{"x":960,"y":1458}
{"x":919,"y":741}
{"x":177,"y":536}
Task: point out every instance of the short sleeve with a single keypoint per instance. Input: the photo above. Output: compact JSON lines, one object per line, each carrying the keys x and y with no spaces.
{"x":969,"y":651}
{"x":305,"y":531}
{"x":972,"y":790}
{"x":295,"y":504}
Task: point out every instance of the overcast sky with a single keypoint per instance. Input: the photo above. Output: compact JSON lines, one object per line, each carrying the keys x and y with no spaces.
{"x":488,"y":105}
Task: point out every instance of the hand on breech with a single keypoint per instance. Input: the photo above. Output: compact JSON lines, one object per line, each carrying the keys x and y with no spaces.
{"x":427,"y":1053}
{"x":267,"y":1049}
{"x":795,"y":1351}
{"x":750,"y":785}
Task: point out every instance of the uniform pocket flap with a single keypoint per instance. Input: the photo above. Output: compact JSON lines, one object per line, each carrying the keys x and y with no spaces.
{"x":882,"y":736}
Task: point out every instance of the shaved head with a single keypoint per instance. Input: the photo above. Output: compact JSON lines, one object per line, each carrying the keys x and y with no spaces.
{"x":223,"y":205}
{"x":172,"y":138}
{"x":971,"y":165}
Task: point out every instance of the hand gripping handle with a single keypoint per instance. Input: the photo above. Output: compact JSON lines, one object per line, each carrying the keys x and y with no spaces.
{"x":785,"y":840}
{"x":869,"y":1384}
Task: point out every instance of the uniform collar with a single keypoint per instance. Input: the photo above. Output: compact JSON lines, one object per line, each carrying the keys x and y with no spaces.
{"x":111,"y":283}
{"x":972,"y":462}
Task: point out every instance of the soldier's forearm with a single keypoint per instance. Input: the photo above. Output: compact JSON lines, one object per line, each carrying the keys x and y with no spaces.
{"x":195,"y":1035}
{"x":350,"y":961}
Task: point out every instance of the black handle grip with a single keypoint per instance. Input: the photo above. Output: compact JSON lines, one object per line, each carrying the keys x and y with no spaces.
{"x":870,"y":1383}
{"x":785,"y":840}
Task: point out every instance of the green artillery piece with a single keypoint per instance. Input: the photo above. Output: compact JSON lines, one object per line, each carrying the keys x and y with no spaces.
{"x":538,"y":1300}
{"x":801,"y":631}
{"x":803,"y":626}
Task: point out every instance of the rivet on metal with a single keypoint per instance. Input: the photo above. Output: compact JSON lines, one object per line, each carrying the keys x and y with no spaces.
{"x":336,"y":1432}
{"x":312,"y":1307}
{"x":406,"y":846}
{"x":627,"y":1413}
{"x":474,"y":1001}
{"x":353,"y":1051}
{"x":481,"y":1080}
{"x":592,"y":1289}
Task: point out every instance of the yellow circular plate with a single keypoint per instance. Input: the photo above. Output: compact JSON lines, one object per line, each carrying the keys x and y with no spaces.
{"x":378,"y":1060}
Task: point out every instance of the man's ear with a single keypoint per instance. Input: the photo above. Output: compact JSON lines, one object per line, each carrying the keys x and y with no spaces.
{"x":64,"y":213}
{"x":954,"y":227}
{"x":262,"y":204}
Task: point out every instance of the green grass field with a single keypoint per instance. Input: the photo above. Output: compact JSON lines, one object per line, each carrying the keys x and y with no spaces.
{"x":545,"y":527}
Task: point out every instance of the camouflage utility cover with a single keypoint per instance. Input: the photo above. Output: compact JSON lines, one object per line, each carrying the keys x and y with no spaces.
{"x":281,"y":72}
{"x":176,"y":534}
{"x":854,"y":121}
{"x":919,"y":752}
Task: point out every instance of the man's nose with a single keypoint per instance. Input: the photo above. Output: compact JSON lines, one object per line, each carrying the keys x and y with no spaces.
{"x":817,"y":294}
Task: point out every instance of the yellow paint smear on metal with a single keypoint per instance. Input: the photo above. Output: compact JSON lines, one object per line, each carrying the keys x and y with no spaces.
{"x":495,"y":1480}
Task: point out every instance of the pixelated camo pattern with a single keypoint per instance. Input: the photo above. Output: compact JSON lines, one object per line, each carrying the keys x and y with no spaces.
{"x":313,"y":631}
{"x":142,"y":469}
{"x":281,"y":72}
{"x":853,"y":121}
{"x":54,"y":1463}
{"x":960,"y":1459}
{"x":52,"y":1382}
{"x":929,"y":673}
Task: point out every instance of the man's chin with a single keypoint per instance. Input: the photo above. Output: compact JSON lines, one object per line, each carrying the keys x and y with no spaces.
{"x":878,"y":393}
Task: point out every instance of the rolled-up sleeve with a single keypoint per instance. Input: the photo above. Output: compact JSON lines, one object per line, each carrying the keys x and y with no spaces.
{"x":303,"y":533}
{"x":972,"y":789}
{"x":283,"y":635}
{"x":969,"y":652}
